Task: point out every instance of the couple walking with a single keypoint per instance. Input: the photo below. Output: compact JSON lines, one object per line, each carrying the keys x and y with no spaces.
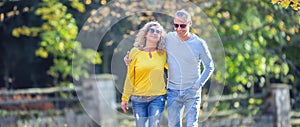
{"x":181,"y":53}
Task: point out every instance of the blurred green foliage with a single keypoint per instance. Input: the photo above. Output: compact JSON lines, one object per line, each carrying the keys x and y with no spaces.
{"x":58,"y":34}
{"x":256,"y":37}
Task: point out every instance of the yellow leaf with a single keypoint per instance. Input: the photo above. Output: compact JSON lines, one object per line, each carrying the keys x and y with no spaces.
{"x":274,"y":1}
{"x":285,"y":3}
{"x":25,"y":31}
{"x":269,"y":18}
{"x":103,"y":2}
{"x":81,"y":8}
{"x":295,"y":6}
{"x":251,"y":101}
{"x":285,"y":68}
{"x":42,"y":53}
{"x":15,"y":32}
{"x":61,"y":46}
{"x":236,"y":27}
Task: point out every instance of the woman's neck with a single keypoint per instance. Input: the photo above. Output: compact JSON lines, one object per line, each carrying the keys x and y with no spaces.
{"x":149,"y":47}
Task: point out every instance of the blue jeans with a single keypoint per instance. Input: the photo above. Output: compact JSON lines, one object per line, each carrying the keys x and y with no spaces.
{"x":148,"y":108}
{"x":190,"y":99}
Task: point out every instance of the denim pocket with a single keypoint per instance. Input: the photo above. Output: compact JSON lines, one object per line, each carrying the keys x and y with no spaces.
{"x":192,"y":92}
{"x":172,"y":93}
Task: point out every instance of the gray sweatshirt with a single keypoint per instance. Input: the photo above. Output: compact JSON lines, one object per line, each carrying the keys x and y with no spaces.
{"x":184,"y":58}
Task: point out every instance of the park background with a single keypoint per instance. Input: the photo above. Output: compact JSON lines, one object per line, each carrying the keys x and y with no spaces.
{"x":261,"y":43}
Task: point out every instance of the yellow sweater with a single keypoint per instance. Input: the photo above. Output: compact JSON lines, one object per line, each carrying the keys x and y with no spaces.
{"x":145,"y":75}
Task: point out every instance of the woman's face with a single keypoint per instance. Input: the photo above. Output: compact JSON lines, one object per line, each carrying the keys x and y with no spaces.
{"x":153,"y":34}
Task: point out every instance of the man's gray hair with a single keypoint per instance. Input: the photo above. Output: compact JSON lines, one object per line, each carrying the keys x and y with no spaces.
{"x":183,"y":14}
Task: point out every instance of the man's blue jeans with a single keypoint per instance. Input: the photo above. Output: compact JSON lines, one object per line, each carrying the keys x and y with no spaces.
{"x":190,"y":99}
{"x":148,"y":108}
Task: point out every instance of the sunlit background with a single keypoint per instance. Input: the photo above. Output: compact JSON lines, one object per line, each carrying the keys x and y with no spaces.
{"x":42,"y":56}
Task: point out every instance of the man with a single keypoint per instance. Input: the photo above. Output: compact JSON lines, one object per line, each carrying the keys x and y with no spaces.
{"x":185,"y":52}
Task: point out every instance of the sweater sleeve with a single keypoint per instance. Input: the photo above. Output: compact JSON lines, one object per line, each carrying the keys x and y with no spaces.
{"x":129,"y":81}
{"x":207,"y":63}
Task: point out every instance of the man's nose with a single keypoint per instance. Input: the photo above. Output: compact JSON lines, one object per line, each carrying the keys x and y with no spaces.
{"x":179,"y":28}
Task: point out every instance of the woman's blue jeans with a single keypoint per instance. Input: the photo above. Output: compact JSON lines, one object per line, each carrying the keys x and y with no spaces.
{"x":148,"y":108}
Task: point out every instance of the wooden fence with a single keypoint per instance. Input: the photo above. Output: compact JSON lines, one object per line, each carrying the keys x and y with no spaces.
{"x":99,"y":107}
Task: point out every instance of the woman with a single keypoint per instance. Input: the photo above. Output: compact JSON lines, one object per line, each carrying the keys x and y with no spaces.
{"x":144,"y":83}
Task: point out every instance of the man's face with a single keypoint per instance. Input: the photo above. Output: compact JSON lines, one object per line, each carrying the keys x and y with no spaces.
{"x":181,"y":26}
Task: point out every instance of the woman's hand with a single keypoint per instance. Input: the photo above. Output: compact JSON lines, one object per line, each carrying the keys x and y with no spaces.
{"x":124,"y":106}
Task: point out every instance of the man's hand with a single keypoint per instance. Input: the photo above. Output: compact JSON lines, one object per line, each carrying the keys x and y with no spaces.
{"x":124,"y":106}
{"x":126,"y":59}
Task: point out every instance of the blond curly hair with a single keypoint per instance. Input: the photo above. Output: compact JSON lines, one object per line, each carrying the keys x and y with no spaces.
{"x":140,"y":40}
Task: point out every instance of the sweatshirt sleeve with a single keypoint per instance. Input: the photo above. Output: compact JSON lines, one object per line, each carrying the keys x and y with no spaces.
{"x":129,"y":81}
{"x":207,"y":63}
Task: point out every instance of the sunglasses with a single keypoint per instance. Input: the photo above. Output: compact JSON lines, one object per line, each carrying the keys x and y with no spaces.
{"x":180,"y":25}
{"x":154,"y":31}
